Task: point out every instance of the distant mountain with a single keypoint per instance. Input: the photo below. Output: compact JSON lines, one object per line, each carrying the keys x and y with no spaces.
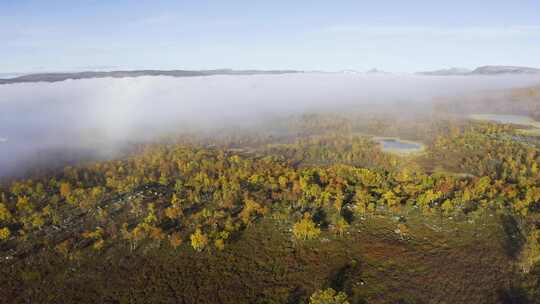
{"x":501,"y":69}
{"x":350,"y":72}
{"x":372,"y":71}
{"x":483,"y":70}
{"x":376,"y":71}
{"x":447,"y":72}
{"x":55,"y":77}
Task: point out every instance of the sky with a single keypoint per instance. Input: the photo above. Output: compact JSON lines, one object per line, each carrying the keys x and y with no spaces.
{"x":395,"y":36}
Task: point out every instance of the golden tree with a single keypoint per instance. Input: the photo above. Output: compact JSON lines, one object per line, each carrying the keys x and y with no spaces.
{"x":328,"y":296}
{"x":306,"y":229}
{"x":4,"y":233}
{"x":5,"y":215}
{"x":198,"y":240}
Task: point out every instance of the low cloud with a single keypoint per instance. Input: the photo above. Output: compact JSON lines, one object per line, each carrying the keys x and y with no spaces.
{"x":97,"y":116}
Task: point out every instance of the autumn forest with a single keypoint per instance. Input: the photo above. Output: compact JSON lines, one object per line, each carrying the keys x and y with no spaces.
{"x":308,"y":208}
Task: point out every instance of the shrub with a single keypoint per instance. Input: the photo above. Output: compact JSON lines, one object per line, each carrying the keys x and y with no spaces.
{"x":328,"y":296}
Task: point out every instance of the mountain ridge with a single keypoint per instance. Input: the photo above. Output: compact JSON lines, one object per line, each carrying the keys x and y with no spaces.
{"x":57,"y":77}
{"x":482,"y":70}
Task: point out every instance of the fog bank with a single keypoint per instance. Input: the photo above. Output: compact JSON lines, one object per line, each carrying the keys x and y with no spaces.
{"x":99,"y":115}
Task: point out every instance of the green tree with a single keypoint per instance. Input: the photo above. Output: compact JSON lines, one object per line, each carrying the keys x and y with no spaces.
{"x":447,"y":207}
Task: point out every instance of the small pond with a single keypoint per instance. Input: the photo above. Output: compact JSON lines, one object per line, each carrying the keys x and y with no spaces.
{"x":399,"y":146}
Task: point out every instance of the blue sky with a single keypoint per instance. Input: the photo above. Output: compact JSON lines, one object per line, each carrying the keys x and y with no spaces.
{"x":400,"y":36}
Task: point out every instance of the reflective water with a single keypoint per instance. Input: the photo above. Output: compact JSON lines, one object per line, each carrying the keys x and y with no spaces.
{"x":396,"y":145}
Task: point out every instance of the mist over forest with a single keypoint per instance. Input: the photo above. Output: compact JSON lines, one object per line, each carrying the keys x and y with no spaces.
{"x":321,"y":182}
{"x":96,"y":118}
{"x":270,"y":152}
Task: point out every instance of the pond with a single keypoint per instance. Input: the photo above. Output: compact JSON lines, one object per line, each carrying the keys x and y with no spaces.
{"x":398,"y":146}
{"x":507,"y":119}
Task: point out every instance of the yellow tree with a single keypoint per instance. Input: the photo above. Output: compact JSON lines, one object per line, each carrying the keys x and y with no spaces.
{"x":5,"y":215}
{"x":328,"y":296}
{"x":198,"y":240}
{"x":4,"y":233}
{"x":341,"y":226}
{"x":306,"y":229}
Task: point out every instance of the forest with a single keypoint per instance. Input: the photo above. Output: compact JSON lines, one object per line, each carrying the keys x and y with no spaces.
{"x":305,"y":209}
